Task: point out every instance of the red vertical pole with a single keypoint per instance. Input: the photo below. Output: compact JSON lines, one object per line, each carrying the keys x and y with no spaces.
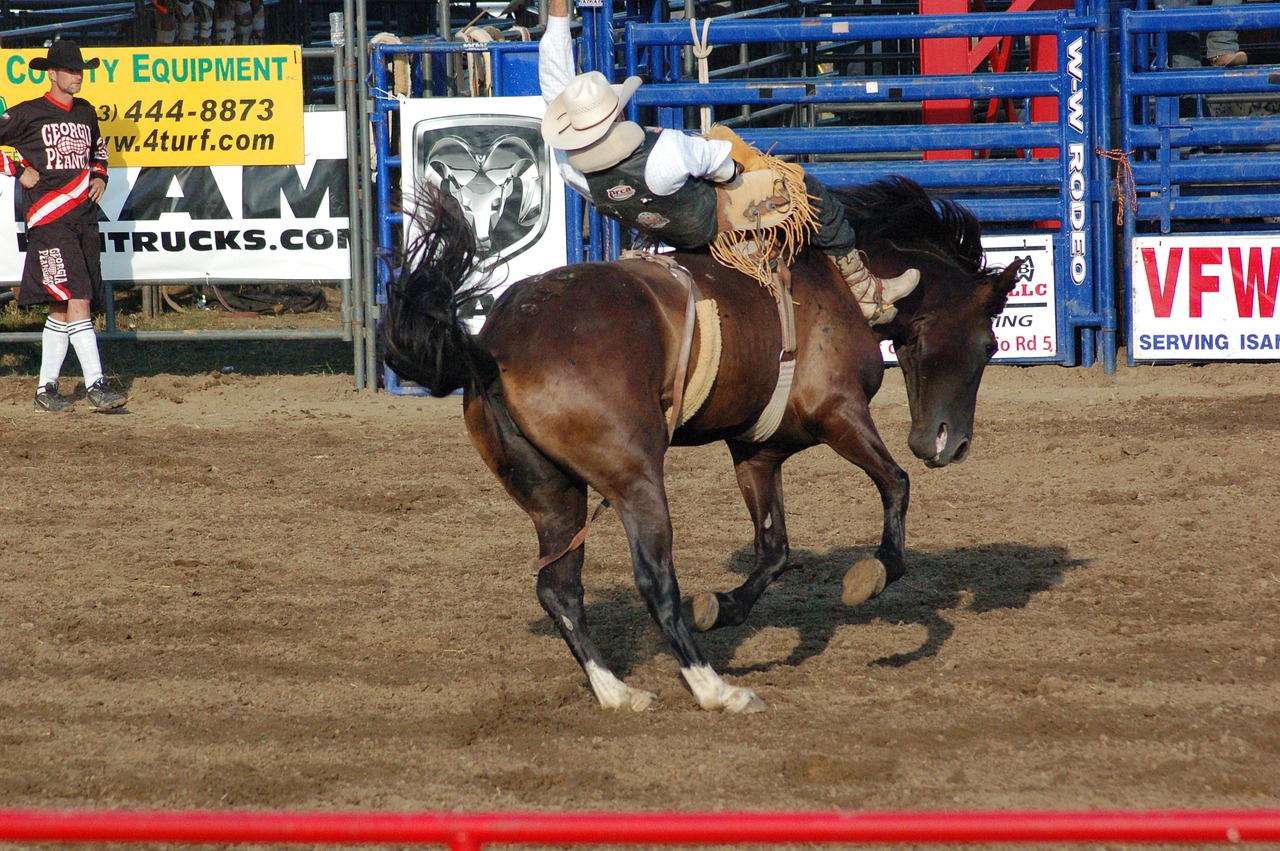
{"x":1044,"y":57}
{"x":946,"y":56}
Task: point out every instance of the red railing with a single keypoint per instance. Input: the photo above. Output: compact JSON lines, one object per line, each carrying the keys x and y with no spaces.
{"x":471,"y":831}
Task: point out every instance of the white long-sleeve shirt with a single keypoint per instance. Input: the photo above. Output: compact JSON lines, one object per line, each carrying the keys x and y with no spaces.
{"x":675,"y":157}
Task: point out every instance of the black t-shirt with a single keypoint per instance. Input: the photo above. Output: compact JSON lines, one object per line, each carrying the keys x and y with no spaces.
{"x":63,"y":144}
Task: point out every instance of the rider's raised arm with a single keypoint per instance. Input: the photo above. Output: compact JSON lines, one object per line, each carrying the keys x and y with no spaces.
{"x":556,"y":65}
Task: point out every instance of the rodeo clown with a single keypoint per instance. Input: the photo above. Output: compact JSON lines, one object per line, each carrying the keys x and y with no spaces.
{"x":62,"y":169}
{"x":664,"y":183}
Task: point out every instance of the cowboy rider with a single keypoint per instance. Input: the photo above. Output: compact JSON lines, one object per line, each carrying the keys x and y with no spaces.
{"x":661,"y":182}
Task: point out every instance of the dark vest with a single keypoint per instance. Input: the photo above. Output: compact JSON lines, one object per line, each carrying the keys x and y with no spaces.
{"x":684,"y":219}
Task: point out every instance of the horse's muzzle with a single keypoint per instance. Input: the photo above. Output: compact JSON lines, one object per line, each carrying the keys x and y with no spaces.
{"x":936,"y":450}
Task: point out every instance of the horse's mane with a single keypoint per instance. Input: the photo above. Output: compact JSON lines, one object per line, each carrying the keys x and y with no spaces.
{"x":899,"y":209}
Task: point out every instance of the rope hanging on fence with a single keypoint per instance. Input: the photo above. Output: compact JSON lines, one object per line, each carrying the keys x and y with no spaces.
{"x":701,"y":50}
{"x":479,"y":64}
{"x":399,"y":64}
{"x":480,"y":74}
{"x":1126,"y":187}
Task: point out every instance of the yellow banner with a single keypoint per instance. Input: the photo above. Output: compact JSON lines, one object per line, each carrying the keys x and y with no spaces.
{"x":184,"y":106}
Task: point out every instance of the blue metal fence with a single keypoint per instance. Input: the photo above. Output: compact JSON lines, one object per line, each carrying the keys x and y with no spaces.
{"x":1017,"y":188}
{"x":1201,"y":163}
{"x":1191,"y":166}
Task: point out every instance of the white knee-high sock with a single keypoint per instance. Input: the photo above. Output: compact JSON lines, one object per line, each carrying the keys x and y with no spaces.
{"x":54,"y":343}
{"x":85,"y":342}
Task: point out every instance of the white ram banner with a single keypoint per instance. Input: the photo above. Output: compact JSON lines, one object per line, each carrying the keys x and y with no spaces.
{"x":219,"y":223}
{"x":1205,"y":297}
{"x":489,"y":154}
{"x":1028,"y":327}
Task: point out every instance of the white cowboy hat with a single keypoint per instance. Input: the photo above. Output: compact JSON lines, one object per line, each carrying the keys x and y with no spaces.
{"x":585,"y":110}
{"x":619,"y":141}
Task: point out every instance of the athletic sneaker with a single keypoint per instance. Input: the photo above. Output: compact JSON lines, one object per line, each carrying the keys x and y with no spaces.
{"x":103,"y":397}
{"x":49,"y":399}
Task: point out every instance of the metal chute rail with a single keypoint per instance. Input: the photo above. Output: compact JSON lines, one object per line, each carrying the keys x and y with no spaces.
{"x":1029,"y":177}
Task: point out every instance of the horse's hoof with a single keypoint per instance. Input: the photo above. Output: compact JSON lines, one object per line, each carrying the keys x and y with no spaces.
{"x":865,"y":580}
{"x":744,"y":701}
{"x":706,"y":611}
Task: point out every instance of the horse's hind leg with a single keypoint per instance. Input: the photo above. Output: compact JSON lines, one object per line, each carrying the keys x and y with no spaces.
{"x":557,"y":504}
{"x":759,"y":474}
{"x":642,"y":506}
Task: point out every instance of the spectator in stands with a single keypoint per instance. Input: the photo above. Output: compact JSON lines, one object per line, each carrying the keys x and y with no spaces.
{"x":63,"y":173}
{"x":660,"y":182}
{"x":1222,"y":47}
{"x":183,"y":22}
{"x":204,"y":22}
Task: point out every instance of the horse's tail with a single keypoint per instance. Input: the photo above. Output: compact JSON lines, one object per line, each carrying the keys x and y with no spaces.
{"x":424,"y":335}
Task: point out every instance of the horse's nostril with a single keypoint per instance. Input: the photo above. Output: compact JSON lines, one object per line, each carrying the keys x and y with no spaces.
{"x":962,"y":452}
{"x":941,"y":442}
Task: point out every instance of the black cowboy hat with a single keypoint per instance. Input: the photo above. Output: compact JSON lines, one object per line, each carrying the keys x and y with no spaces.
{"x":65,"y":55}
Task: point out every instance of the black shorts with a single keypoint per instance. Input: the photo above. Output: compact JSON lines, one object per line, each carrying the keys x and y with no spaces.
{"x":64,"y":261}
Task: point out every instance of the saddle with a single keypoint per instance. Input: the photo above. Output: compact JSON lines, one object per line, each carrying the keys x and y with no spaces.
{"x":764,"y":217}
{"x":692,"y":387}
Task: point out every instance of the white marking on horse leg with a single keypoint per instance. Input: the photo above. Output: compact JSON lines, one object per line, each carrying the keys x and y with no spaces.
{"x":613,"y":693}
{"x":714,"y":693}
{"x":568,"y":624}
{"x":768,"y":522}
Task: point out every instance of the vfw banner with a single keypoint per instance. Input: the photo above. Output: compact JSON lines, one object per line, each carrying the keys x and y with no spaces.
{"x":489,"y":154}
{"x":1027,"y":329}
{"x":218,"y":223}
{"x":1205,"y":297}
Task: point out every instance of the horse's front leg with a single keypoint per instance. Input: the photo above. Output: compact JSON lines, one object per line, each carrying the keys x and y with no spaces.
{"x":852,"y":434}
{"x":759,"y":474}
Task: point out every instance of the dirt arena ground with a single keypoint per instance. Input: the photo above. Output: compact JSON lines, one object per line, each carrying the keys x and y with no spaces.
{"x":256,"y":590}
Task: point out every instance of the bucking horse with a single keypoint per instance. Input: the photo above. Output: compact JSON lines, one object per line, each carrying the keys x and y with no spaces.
{"x":571,"y":381}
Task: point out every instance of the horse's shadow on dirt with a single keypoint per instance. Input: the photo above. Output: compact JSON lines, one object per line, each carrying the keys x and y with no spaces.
{"x":807,"y":599}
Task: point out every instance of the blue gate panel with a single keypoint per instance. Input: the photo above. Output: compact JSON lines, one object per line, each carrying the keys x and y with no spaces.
{"x":1200,"y":225}
{"x":1184,"y":166}
{"x":1011,"y":184}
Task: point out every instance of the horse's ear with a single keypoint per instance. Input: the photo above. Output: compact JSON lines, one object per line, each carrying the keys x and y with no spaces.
{"x":1002,"y":283}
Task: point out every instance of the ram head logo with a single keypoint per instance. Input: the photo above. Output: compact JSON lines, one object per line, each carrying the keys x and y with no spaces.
{"x":496,"y":167}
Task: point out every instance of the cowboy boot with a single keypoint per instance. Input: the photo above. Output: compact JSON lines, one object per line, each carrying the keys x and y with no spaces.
{"x":875,"y":296}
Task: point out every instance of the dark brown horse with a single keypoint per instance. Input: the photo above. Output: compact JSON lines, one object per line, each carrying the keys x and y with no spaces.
{"x":567,"y":383}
